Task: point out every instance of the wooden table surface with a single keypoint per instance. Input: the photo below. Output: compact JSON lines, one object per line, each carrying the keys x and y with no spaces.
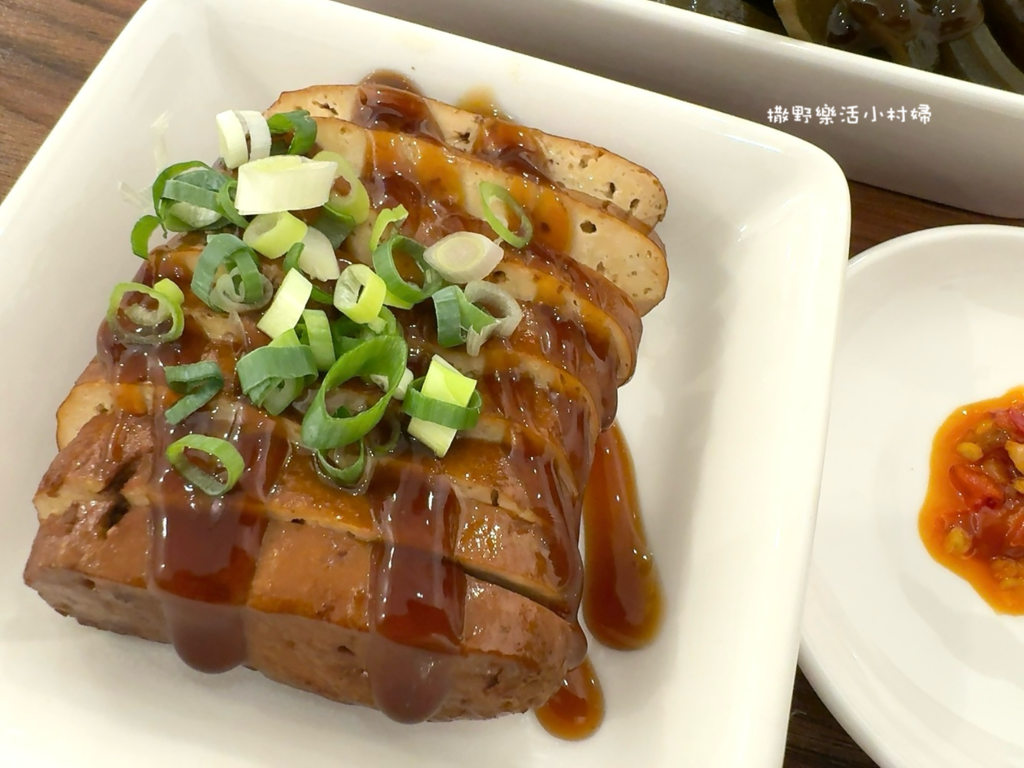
{"x":49,"y":47}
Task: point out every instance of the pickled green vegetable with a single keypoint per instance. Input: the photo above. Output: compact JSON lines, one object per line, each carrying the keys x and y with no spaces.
{"x":1005,"y":20}
{"x":978,"y":58}
{"x":731,"y":10}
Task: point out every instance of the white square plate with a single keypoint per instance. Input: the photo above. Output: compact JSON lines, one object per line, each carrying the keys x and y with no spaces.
{"x":726,"y":415}
{"x":968,"y":156}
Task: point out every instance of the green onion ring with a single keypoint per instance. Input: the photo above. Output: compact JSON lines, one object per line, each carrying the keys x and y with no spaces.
{"x":394,"y":216}
{"x":488,"y":192}
{"x":168,"y":308}
{"x":169,"y":173}
{"x":348,"y":475}
{"x":384,"y":355}
{"x":228,"y":250}
{"x":198,"y":382}
{"x":335,"y":225}
{"x":221,"y":450}
{"x":317,"y":330}
{"x":394,"y":434}
{"x":291,"y":258}
{"x":226,"y":204}
{"x":197,"y":190}
{"x":264,"y":372}
{"x":419,"y":406}
{"x":456,"y":316}
{"x":300,"y":125}
{"x":384,"y":265}
{"x":141,"y":233}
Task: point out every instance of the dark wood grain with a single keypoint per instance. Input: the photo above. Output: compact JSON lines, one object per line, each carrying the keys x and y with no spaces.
{"x":49,"y":47}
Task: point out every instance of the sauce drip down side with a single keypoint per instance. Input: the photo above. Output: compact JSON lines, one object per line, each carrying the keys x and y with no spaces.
{"x":576,"y":710}
{"x":622,"y":602}
{"x":622,"y":598}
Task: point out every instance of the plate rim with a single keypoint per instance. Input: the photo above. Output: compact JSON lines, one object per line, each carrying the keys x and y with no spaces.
{"x":817,"y":663}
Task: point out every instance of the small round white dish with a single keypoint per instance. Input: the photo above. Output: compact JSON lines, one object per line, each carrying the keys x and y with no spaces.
{"x":910,"y":660}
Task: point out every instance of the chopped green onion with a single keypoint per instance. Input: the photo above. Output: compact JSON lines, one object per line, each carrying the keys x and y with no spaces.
{"x":347,"y":475}
{"x":283,"y":183}
{"x":507,"y":313}
{"x":184,"y":190}
{"x":170,"y":289}
{"x":388,"y":216}
{"x":464,"y":256}
{"x":490,"y":192}
{"x":232,"y":129}
{"x":272,"y":234}
{"x":192,"y":196}
{"x":386,"y":324}
{"x":221,"y":450}
{"x":244,"y":276}
{"x":291,"y":258}
{"x":318,"y":259}
{"x":169,"y":299}
{"x":391,"y":300}
{"x":381,"y":355}
{"x":141,"y":233}
{"x":199,"y":383}
{"x":291,"y":261}
{"x":443,"y":384}
{"x":457,"y":317}
{"x":335,"y":226}
{"x":446,"y":414}
{"x":226,"y":204}
{"x":228,"y":294}
{"x":318,"y":335}
{"x":274,"y":375}
{"x":169,"y":173}
{"x":300,"y":125}
{"x":288,"y":304}
{"x":384,"y":264}
{"x":403,"y":385}
{"x":359,"y":293}
{"x":378,"y":447}
{"x":356,"y":204}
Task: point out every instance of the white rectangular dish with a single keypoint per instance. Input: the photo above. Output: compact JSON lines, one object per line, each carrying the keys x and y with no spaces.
{"x":732,"y":385}
{"x":967,"y":156}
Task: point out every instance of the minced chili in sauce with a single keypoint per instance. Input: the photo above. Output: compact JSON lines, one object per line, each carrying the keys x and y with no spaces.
{"x":972,"y":520}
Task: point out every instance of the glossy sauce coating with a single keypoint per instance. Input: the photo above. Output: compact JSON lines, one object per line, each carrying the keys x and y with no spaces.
{"x":204,"y":549}
{"x":972,"y":519}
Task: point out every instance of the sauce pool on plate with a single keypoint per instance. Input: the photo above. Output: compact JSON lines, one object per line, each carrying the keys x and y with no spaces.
{"x":972,"y":519}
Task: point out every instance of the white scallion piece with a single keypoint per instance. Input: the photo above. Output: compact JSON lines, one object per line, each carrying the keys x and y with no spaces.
{"x":464,"y":256}
{"x":283,"y":183}
{"x":317,"y":258}
{"x":233,"y":130}
{"x":289,"y":302}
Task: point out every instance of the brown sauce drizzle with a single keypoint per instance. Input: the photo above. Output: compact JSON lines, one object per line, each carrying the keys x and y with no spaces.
{"x":419,"y":592}
{"x":481,"y":101}
{"x":388,"y":101}
{"x":576,"y":711}
{"x":513,"y":148}
{"x":622,"y":600}
{"x":204,"y":550}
